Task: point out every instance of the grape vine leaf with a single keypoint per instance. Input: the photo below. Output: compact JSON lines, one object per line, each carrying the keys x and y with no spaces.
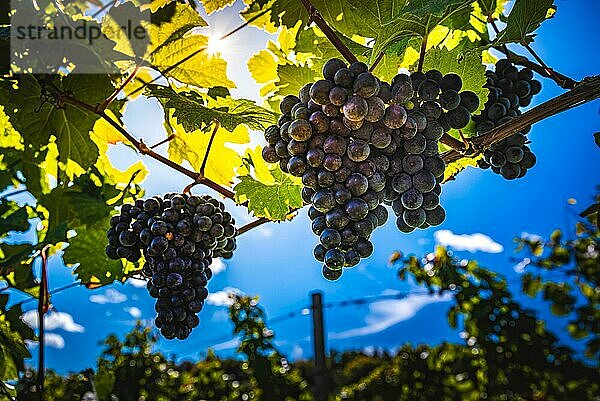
{"x":466,"y":63}
{"x":70,"y":125}
{"x":13,"y":350}
{"x":187,"y":60}
{"x":182,"y":18}
{"x":194,"y":112}
{"x":87,"y":251}
{"x":13,"y":217}
{"x":191,"y":146}
{"x":270,"y":194}
{"x":525,"y":17}
{"x":456,"y":167}
{"x":210,"y":6}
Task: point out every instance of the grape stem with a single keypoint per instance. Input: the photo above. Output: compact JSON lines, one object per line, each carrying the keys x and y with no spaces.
{"x":422,"y":53}
{"x":168,"y":139}
{"x":210,"y":142}
{"x":43,"y":304}
{"x":315,"y":16}
{"x":541,"y":68}
{"x":377,"y":61}
{"x":584,"y":92}
{"x":118,"y":90}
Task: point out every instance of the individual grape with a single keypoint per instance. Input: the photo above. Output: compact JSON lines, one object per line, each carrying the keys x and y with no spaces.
{"x":429,"y":90}
{"x":401,"y":182}
{"x":414,"y":218}
{"x":357,"y":184}
{"x":300,"y":130}
{"x":331,"y":67}
{"x":423,"y":181}
{"x":319,"y":92}
{"x":436,"y":216}
{"x":451,"y":81}
{"x":330,"y":238}
{"x":364,"y":248}
{"x":430,"y":201}
{"x":395,"y":116}
{"x":357,"y":209}
{"x":335,"y":144}
{"x":469,"y":100}
{"x":319,"y":122}
{"x":304,"y":94}
{"x":269,"y":154}
{"x":381,"y":138}
{"x":450,"y":99}
{"x":358,"y":67}
{"x":365,"y":84}
{"x":412,"y":163}
{"x":338,"y":95}
{"x":287,"y":103}
{"x":334,"y":259}
{"x":412,"y":199}
{"x":376,"y":109}
{"x":358,"y":150}
{"x":459,"y":117}
{"x":402,"y":91}
{"x":324,"y":200}
{"x":331,"y":275}
{"x":336,"y":218}
{"x":344,"y":77}
{"x":356,"y":108}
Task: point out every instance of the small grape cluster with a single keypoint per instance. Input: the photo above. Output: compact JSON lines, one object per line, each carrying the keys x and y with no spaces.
{"x":358,"y":142}
{"x":509,"y":89}
{"x":178,"y":235}
{"x":435,"y":105}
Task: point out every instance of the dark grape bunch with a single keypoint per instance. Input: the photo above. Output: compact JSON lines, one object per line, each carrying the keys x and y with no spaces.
{"x":510,"y":89}
{"x":337,"y":135}
{"x":435,"y":105}
{"x":178,"y":237}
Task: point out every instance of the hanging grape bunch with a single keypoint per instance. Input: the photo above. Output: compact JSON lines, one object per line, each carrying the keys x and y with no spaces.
{"x":335,"y":135}
{"x":510,"y":89}
{"x":178,"y":237}
{"x":435,"y":104}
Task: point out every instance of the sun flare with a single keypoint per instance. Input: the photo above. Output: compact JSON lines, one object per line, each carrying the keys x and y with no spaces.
{"x":215,"y":46}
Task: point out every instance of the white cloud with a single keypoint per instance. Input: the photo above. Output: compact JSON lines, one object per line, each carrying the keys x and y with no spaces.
{"x":297,"y":352}
{"x":221,"y":298}
{"x":110,"y":296}
{"x":233,"y":343}
{"x":53,"y":320}
{"x":265,"y":232}
{"x":135,"y":312}
{"x":217,"y":266}
{"x":385,"y":314}
{"x":51,"y":340}
{"x":137,"y":283}
{"x":467,"y":242}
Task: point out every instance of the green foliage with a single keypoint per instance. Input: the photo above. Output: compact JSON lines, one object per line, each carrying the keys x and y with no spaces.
{"x":40,"y":119}
{"x":194,"y":112}
{"x":576,"y":260}
{"x":525,"y":17}
{"x":274,"y":200}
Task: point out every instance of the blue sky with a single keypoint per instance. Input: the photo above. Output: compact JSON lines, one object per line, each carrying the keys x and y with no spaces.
{"x":275,"y":261}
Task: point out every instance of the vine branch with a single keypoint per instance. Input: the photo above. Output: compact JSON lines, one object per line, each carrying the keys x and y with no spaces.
{"x":422,"y":53}
{"x":315,"y":16}
{"x":145,"y":150}
{"x":377,"y":61}
{"x":586,"y":91}
{"x":253,"y":224}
